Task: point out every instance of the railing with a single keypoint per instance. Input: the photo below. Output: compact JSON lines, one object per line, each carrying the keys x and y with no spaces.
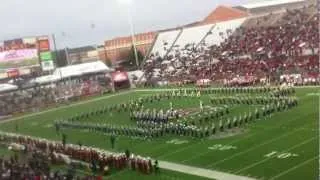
{"x":206,"y":35}
{"x":174,"y":42}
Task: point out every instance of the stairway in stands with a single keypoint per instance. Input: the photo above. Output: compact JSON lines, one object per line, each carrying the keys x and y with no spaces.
{"x":174,"y":42}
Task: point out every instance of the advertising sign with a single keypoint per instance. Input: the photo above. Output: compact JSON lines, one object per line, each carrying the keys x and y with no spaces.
{"x":46,"y":56}
{"x":44,"y":45}
{"x":18,"y":58}
{"x":120,"y":76}
{"x":47,"y":65}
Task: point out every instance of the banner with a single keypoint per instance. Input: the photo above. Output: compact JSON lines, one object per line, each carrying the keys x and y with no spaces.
{"x":13,"y":44}
{"x":29,"y":40}
{"x":46,"y":56}
{"x":47,"y":65}
{"x":120,"y":76}
{"x":18,"y":55}
{"x":44,"y":45}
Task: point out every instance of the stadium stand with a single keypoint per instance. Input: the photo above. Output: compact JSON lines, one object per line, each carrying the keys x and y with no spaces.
{"x":222,"y":31}
{"x":164,"y":42}
{"x":65,"y":84}
{"x":236,"y":49}
{"x":232,"y":52}
{"x":192,"y":35}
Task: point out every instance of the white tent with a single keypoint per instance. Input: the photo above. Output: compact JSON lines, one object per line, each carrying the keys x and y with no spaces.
{"x":7,"y":87}
{"x":81,"y":69}
{"x":47,"y":79}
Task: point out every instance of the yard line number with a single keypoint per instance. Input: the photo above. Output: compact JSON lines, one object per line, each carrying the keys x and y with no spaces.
{"x":280,"y":155}
{"x":221,"y":147}
{"x":177,"y":142}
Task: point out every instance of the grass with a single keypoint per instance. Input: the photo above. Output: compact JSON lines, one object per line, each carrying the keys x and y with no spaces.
{"x":294,"y":131}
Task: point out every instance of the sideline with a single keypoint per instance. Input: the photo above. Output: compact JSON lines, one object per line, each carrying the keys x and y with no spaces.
{"x":211,"y":174}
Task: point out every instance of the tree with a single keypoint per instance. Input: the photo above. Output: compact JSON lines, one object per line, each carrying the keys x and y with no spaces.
{"x":132,"y":58}
{"x":60,"y":57}
{"x":108,"y":62}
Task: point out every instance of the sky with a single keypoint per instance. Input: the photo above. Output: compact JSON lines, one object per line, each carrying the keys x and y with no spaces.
{"x":87,"y":22}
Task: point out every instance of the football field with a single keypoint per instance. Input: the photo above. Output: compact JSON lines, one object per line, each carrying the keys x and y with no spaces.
{"x":283,"y":145}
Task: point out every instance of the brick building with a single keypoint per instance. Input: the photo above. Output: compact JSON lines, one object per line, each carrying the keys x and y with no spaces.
{"x":224,"y":13}
{"x":117,"y":49}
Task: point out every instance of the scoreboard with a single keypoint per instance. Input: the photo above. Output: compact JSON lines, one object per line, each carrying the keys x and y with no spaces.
{"x":24,"y":55}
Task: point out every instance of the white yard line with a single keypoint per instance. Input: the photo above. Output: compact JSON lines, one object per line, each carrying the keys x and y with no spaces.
{"x":211,"y":174}
{"x":254,"y":147}
{"x":264,"y":160}
{"x":63,"y":107}
{"x":210,"y":151}
{"x":293,"y":168}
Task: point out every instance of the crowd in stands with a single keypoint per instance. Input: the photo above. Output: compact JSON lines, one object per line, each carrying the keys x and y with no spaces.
{"x":289,"y":45}
{"x":41,"y":96}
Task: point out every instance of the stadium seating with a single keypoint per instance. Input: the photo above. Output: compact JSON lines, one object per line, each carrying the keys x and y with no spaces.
{"x":232,"y":51}
{"x":33,"y":99}
{"x":222,"y":31}
{"x":164,"y":42}
{"x":193,"y":35}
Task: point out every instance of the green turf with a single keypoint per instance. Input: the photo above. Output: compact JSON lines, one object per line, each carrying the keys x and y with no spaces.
{"x":4,"y":152}
{"x":294,"y":131}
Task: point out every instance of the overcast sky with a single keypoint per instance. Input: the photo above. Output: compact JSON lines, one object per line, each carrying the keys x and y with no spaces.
{"x":83,"y":22}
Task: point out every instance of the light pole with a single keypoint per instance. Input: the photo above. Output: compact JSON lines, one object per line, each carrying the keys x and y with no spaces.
{"x":65,"y":36}
{"x":128,"y":4}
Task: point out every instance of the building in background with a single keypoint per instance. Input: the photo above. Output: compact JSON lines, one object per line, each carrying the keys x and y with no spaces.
{"x":86,"y":54}
{"x":117,"y":49}
{"x":261,"y":7}
{"x":81,"y":54}
{"x":224,"y":13}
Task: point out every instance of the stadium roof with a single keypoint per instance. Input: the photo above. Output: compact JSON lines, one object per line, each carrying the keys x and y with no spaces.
{"x":266,"y":3}
{"x":7,"y":87}
{"x":81,"y":69}
{"x":224,"y":13}
{"x":46,"y":79}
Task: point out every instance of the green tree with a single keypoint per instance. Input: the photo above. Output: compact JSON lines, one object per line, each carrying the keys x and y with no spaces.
{"x":132,"y":58}
{"x":108,"y":62}
{"x":60,"y":57}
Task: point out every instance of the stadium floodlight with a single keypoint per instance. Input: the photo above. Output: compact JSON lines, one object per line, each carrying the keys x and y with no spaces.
{"x":128,"y":4}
